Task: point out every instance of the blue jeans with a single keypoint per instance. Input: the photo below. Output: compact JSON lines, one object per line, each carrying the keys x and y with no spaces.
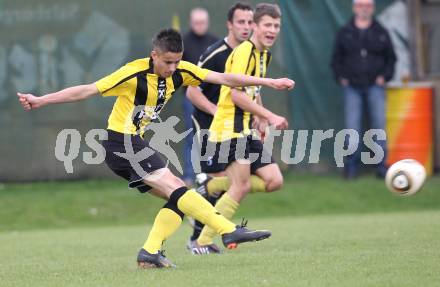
{"x":188,"y":171}
{"x":354,"y":99}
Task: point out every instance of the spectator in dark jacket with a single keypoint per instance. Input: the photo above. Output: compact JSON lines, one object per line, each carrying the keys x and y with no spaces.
{"x":363,"y":61}
{"x":196,"y":41}
{"x":198,"y":38}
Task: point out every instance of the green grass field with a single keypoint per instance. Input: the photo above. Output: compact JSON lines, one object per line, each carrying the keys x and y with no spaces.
{"x":326,"y":232}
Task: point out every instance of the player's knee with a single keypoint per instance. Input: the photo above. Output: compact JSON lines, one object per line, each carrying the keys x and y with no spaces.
{"x":275,"y":183}
{"x":164,"y":180}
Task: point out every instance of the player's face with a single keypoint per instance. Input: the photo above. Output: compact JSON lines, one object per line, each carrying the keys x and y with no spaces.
{"x":267,"y":30}
{"x":364,"y":9}
{"x":241,"y":26}
{"x":165,"y":63}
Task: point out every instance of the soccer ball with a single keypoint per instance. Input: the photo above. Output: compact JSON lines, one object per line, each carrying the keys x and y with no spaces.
{"x":405,"y":177}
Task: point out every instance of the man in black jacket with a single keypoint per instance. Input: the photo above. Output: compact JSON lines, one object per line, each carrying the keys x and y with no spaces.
{"x":363,"y":61}
{"x":196,"y":41}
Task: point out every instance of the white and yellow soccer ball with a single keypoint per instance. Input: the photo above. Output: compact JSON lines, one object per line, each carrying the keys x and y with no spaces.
{"x":405,"y":177}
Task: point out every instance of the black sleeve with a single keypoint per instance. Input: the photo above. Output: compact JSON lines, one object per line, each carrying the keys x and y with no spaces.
{"x":214,"y":39}
{"x":337,"y":57}
{"x":210,"y":65}
{"x":389,"y":59}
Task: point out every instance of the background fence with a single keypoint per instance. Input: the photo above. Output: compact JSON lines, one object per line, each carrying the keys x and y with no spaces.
{"x":50,"y":45}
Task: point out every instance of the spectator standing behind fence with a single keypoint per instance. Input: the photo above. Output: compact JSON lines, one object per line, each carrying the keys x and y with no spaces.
{"x":363,"y":61}
{"x":196,"y":41}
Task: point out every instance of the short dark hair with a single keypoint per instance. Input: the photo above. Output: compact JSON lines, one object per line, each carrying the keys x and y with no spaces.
{"x":238,"y":6}
{"x":168,"y":40}
{"x":263,"y":9}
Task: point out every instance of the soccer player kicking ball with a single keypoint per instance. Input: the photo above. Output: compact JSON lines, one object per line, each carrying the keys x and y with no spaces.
{"x":231,"y":126}
{"x":142,"y":88}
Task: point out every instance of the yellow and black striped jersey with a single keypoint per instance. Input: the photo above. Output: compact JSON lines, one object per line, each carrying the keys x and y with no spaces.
{"x":213,"y":59}
{"x":142,"y":94}
{"x":230,"y":121}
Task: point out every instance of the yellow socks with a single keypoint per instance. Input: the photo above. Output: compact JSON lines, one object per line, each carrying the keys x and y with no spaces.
{"x":217,"y":185}
{"x":193,"y":204}
{"x":227,"y":207}
{"x":183,"y":201}
{"x":166,"y":223}
{"x":257,"y":184}
{"x":221,"y":183}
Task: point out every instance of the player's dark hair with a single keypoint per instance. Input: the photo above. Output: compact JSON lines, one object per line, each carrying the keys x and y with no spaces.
{"x":263,"y":9}
{"x":238,"y":6}
{"x":168,"y":40}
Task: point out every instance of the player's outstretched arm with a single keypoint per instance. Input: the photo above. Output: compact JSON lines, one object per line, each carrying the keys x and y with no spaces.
{"x":68,"y":95}
{"x":245,"y":103}
{"x":239,"y":80}
{"x":198,"y":99}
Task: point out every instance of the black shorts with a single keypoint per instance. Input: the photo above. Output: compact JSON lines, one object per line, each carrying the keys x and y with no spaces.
{"x":210,"y":165}
{"x":239,"y":148}
{"x":202,"y":139}
{"x":133,"y":173}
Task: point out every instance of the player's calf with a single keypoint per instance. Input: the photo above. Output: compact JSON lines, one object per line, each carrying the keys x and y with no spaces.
{"x":275,"y":183}
{"x":272,"y":177}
